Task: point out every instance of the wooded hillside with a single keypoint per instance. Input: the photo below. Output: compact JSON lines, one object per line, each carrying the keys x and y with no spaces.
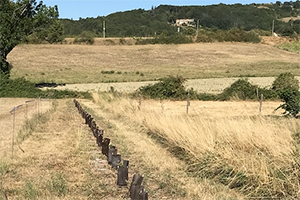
{"x":141,"y":23}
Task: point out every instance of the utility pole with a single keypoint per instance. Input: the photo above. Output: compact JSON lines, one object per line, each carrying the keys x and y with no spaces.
{"x":273,"y":28}
{"x":197,"y":27}
{"x":103,"y":29}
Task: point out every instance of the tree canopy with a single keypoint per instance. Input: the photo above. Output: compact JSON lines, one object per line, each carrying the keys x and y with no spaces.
{"x":153,"y":22}
{"x":22,"y":18}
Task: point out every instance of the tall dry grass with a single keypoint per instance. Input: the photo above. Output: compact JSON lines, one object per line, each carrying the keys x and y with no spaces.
{"x":234,"y":134}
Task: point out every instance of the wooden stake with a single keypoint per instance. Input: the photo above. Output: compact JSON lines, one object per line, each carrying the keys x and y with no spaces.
{"x":260,"y":102}
{"x":187,"y":103}
{"x":13,"y":134}
{"x":140,"y":102}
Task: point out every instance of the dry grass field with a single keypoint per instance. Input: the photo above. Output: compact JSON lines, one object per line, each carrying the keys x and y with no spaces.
{"x":60,"y":159}
{"x":84,"y":63}
{"x":257,"y":145}
{"x":56,"y":156}
{"x":22,"y":117}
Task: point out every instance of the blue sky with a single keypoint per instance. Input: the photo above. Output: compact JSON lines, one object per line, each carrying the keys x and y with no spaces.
{"x":93,"y":8}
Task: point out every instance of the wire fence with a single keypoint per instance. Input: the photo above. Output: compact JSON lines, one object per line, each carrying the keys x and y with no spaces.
{"x":136,"y":190}
{"x":16,"y":119}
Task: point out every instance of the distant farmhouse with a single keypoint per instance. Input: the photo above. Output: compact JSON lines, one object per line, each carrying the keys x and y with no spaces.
{"x":184,"y":22}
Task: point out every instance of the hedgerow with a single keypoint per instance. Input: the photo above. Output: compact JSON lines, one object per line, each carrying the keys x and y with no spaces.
{"x":22,"y":88}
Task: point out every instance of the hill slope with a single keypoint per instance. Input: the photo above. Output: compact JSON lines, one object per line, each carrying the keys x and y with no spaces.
{"x":151,"y":22}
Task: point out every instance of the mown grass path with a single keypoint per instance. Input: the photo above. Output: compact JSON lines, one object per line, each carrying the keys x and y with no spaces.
{"x":164,"y":174}
{"x":60,"y":161}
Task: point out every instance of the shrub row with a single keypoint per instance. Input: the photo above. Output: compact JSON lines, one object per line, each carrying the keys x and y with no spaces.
{"x":22,"y":88}
{"x":232,"y":35}
{"x":285,"y":87}
{"x":164,"y":38}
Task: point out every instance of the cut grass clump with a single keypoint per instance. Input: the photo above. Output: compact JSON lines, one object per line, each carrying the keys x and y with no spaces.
{"x":29,"y":190}
{"x":58,"y":185}
{"x":4,"y":168}
{"x":107,"y":72}
{"x":293,"y":46}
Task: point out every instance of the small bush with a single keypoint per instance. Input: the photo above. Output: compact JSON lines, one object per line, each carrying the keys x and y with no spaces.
{"x":291,"y":97}
{"x":108,"y":72}
{"x":207,"y":97}
{"x":284,"y":81}
{"x":58,"y":185}
{"x":167,"y":88}
{"x":22,"y":88}
{"x":85,"y":37}
{"x":4,"y":168}
{"x":202,"y":37}
{"x":164,"y":38}
{"x":241,"y":89}
{"x":29,"y":190}
{"x":293,"y":46}
{"x":232,"y":35}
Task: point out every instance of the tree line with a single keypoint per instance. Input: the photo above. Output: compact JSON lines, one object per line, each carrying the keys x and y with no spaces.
{"x":143,"y":23}
{"x":24,"y":21}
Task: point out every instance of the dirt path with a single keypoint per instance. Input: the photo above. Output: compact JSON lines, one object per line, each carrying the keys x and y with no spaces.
{"x":213,"y":85}
{"x":164,"y":175}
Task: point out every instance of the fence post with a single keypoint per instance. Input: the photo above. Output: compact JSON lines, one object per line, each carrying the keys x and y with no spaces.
{"x":38,"y":104}
{"x":187,"y":103}
{"x":140,"y":102}
{"x":260,"y":102}
{"x":162,"y":105}
{"x":26,"y":110}
{"x":13,"y":134}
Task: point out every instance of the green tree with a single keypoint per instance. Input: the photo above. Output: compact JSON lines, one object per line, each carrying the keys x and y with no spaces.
{"x":86,"y":37}
{"x":285,"y":80}
{"x":287,"y":87}
{"x":19,"y":19}
{"x":291,"y":97}
{"x":47,"y":26}
{"x":167,"y":88}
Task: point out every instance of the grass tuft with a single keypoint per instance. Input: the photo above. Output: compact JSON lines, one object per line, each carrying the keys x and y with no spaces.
{"x":29,"y":190}
{"x":58,"y":184}
{"x":292,"y":46}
